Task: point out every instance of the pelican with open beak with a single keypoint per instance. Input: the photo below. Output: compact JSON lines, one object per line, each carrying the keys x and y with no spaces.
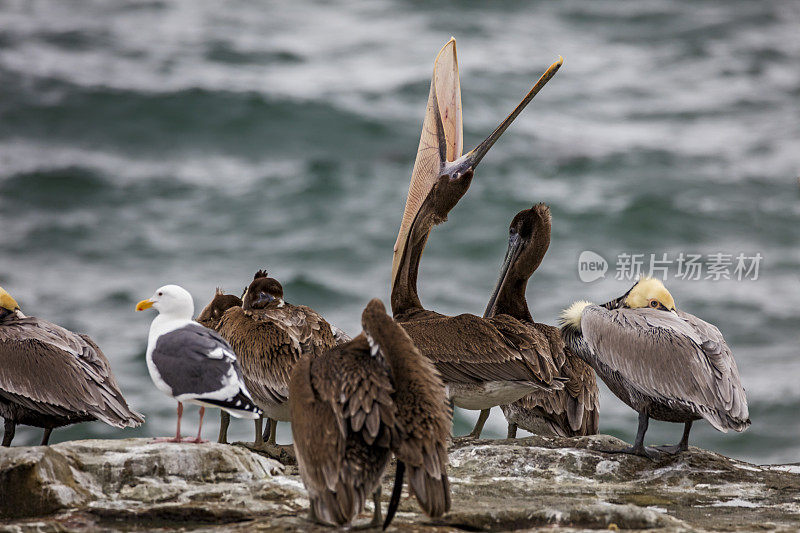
{"x":481,"y":364}
{"x":442,"y":140}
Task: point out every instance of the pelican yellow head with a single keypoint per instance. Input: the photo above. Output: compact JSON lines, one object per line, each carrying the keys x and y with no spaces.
{"x":649,"y":292}
{"x":7,"y":302}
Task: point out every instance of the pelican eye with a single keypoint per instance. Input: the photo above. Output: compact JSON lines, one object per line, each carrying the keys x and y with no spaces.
{"x":654,"y":304}
{"x":161,"y":294}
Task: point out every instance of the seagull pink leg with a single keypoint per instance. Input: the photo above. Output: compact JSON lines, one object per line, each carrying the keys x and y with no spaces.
{"x":198,"y":440}
{"x":177,"y":437}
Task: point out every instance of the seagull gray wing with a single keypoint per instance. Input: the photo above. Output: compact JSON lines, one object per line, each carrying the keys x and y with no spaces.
{"x":197,"y":362}
{"x":675,"y":357}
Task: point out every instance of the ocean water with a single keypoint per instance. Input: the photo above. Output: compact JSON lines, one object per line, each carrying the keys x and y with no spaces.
{"x":194,"y":142}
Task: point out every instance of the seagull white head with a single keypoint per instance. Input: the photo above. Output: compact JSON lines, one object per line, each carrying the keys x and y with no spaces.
{"x":170,"y":300}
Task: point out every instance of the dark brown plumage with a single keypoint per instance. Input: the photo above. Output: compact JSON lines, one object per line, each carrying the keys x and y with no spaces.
{"x":484,"y":361}
{"x":212,"y":313}
{"x":574,"y":410}
{"x":51,"y":377}
{"x":356,"y":405}
{"x":269,"y":336}
{"x":210,"y":317}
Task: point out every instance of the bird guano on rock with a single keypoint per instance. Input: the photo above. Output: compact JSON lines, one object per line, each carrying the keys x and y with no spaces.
{"x":192,"y":363}
{"x":662,"y":362}
{"x":51,"y":377}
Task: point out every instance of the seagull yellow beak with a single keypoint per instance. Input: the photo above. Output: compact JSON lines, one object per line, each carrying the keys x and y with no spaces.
{"x":144,"y":304}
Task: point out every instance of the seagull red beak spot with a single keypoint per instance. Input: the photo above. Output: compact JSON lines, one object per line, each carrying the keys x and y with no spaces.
{"x":144,"y":304}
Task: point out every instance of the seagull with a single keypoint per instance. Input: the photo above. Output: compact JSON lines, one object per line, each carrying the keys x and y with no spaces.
{"x":192,"y":363}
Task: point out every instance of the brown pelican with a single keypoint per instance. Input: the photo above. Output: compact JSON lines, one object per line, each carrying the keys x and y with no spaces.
{"x":190,"y":362}
{"x":211,"y":314}
{"x":356,"y":405}
{"x":210,"y":317}
{"x":666,"y":364}
{"x":269,"y":336}
{"x":51,"y":377}
{"x":572,"y":411}
{"x":483,"y":364}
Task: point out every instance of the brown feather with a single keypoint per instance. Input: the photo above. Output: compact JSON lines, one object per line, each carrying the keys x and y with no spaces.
{"x":52,"y":377}
{"x":356,"y":404}
{"x":269,"y":342}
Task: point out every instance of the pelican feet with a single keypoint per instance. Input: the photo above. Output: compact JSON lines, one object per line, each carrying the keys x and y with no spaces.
{"x":377,"y":514}
{"x":672,"y":449}
{"x":642,"y":451}
{"x":464,"y":439}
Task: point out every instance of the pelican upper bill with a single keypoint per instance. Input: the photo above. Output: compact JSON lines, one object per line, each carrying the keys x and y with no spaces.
{"x":664,"y":363}
{"x":482,"y":362}
{"x":356,"y":405}
{"x":52,"y":377}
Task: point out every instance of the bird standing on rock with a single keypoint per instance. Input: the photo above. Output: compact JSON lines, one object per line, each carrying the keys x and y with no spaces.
{"x":573,"y":410}
{"x":664,"y":363}
{"x":192,"y":363}
{"x":51,"y":377}
{"x":269,"y":336}
{"x":210,"y":317}
{"x":357,"y":404}
{"x":482,"y":363}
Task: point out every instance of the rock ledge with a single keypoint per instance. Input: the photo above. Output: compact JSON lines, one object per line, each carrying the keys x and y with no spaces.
{"x":498,"y":485}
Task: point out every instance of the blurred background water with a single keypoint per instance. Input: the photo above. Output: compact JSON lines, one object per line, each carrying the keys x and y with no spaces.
{"x":193,"y":142}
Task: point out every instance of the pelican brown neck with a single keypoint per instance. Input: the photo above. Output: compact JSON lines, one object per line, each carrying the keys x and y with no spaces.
{"x":406,"y":267}
{"x":441,"y":199}
{"x":508,"y":296}
{"x":527,"y":246}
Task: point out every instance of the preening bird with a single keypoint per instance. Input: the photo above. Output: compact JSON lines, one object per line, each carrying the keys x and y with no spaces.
{"x":664,"y":363}
{"x":355,"y":406}
{"x":51,"y":377}
{"x":192,"y":363}
{"x":269,"y":336}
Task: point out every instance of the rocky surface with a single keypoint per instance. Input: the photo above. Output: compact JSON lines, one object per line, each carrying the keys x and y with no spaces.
{"x":532,"y":483}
